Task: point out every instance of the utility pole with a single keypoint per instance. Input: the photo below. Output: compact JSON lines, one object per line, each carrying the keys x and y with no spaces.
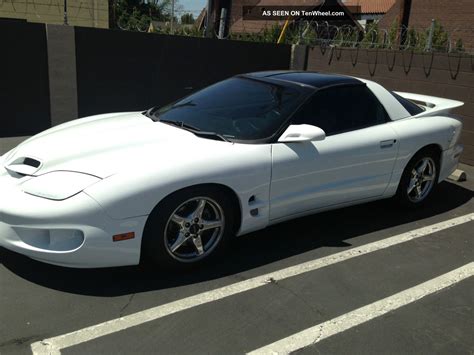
{"x":112,"y":17}
{"x":65,"y":12}
{"x":172,"y":16}
{"x":208,"y":19}
{"x":403,"y":20}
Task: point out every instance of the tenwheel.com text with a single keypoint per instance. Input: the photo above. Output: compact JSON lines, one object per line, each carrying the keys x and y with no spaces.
{"x":322,"y":12}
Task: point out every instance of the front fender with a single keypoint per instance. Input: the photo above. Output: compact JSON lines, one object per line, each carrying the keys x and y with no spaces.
{"x":245,"y":169}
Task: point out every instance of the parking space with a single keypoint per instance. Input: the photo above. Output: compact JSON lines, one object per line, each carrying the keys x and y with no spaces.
{"x":439,"y":324}
{"x":271,"y":285}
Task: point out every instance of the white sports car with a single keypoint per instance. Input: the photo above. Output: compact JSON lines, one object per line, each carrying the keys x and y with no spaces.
{"x":174,"y":184}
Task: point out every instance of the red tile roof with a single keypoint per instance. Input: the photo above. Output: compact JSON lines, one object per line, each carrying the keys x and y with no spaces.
{"x":371,"y":6}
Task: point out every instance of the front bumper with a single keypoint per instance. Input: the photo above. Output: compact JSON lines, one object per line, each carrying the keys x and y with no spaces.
{"x":75,"y":232}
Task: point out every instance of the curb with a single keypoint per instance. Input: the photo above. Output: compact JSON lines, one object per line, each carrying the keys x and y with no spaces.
{"x":458,"y":176}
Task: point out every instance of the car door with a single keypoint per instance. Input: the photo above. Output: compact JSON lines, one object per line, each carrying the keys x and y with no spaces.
{"x":354,"y":161}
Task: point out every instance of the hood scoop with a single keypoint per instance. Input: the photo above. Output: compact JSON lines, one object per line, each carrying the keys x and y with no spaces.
{"x":24,"y":166}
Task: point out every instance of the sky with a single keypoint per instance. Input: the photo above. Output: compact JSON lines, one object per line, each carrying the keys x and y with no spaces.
{"x":192,"y":6}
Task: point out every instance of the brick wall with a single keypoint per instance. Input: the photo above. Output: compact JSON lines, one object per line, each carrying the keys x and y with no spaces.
{"x":456,"y":16}
{"x":443,"y":75}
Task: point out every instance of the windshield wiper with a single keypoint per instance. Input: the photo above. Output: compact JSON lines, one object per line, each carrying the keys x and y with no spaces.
{"x":149,"y":113}
{"x":180,"y":124}
{"x":211,"y":134}
{"x":194,"y":130}
{"x":184,"y":104}
{"x":152,"y":113}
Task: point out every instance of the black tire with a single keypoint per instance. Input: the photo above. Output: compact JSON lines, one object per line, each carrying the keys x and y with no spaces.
{"x":156,"y":248}
{"x":403,"y":196}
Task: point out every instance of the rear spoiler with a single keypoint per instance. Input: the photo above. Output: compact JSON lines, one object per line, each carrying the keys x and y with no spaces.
{"x":433,"y":105}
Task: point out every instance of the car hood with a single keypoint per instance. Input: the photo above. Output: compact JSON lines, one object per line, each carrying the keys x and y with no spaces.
{"x":103,"y":145}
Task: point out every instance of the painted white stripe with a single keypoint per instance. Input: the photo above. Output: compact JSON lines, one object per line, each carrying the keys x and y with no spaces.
{"x":364,"y":314}
{"x":54,"y":345}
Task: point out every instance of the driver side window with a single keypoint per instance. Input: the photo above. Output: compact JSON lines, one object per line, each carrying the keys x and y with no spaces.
{"x":341,"y":109}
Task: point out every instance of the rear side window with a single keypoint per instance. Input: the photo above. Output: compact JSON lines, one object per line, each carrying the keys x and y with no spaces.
{"x":411,"y":107}
{"x":342,"y":109}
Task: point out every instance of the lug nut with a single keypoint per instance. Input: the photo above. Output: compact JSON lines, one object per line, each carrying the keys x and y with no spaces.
{"x":196,"y":220}
{"x":187,"y":225}
{"x":201,"y":226}
{"x":186,"y":235}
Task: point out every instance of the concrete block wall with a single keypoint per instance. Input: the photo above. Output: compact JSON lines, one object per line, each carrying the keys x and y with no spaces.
{"x":53,"y":73}
{"x":438,"y":74}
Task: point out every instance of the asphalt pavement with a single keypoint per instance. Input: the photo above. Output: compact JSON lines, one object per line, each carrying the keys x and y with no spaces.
{"x":298,"y":284}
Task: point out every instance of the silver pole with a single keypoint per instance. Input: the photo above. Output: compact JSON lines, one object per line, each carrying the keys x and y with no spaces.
{"x":429,"y":44}
{"x":222,"y":23}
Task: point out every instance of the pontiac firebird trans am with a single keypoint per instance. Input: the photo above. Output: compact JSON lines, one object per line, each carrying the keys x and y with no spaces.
{"x":174,"y":184}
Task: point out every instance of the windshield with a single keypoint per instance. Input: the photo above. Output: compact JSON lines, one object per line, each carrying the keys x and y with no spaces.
{"x":236,"y":108}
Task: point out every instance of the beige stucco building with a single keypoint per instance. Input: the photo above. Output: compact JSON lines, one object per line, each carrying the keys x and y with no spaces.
{"x":87,"y":13}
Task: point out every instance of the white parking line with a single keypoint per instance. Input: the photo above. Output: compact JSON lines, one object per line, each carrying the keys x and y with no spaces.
{"x":364,"y":314}
{"x":53,"y":346}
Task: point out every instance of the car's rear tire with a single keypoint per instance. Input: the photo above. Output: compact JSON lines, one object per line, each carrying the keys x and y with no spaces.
{"x":188,"y":227}
{"x":419,"y":179}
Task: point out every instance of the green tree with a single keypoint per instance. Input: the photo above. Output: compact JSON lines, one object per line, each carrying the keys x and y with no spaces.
{"x":371,"y":36}
{"x":187,"y":19}
{"x":392,"y":34}
{"x":136,"y":15}
{"x":459,"y":45}
{"x":440,"y":36}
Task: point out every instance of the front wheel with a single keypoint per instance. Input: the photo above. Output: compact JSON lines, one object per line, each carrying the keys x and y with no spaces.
{"x":419,"y":179}
{"x":188,"y":227}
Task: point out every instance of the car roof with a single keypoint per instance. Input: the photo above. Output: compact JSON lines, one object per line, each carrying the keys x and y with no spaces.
{"x":314,"y":79}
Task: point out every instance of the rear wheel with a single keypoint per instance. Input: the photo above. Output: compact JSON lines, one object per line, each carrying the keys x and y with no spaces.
{"x":188,"y":227}
{"x":419,"y":180}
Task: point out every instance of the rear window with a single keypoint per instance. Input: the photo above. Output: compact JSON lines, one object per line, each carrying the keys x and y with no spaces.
{"x":411,"y":107}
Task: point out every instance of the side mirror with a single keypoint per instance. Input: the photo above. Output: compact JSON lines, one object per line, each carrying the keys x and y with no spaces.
{"x":302,"y":133}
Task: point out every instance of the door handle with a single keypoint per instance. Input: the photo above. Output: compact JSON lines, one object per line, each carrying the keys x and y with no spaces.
{"x":388,"y":143}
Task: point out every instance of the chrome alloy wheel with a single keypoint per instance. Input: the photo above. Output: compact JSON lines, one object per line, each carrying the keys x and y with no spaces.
{"x":194,"y":229}
{"x":421,"y":180}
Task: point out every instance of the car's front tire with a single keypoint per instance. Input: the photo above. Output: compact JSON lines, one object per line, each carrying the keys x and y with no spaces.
{"x":419,"y":179}
{"x":188,"y":227}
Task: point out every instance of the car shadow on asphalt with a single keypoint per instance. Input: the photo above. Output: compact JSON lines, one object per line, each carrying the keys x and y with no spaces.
{"x":332,"y":228}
